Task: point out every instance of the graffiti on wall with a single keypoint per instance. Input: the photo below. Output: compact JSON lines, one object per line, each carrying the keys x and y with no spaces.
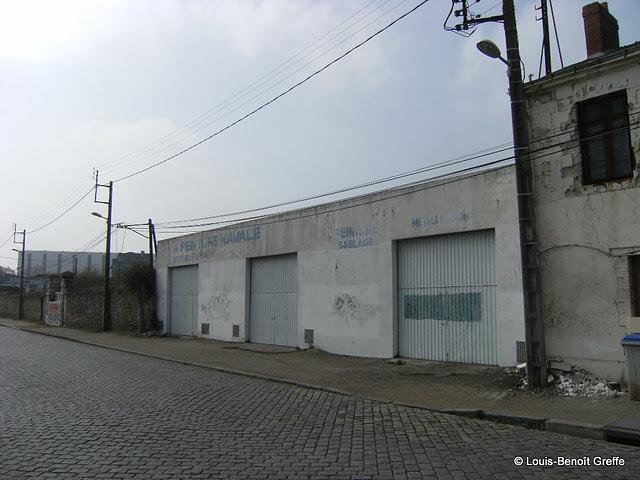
{"x":218,"y":307}
{"x":196,"y":248}
{"x":53,"y":313}
{"x":427,"y":221}
{"x":356,"y":236}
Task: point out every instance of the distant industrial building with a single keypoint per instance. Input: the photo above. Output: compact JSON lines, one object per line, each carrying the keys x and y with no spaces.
{"x":38,"y":262}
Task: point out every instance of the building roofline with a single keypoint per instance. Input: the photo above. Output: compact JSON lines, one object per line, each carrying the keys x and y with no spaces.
{"x":586,"y":66}
{"x":379,"y":195}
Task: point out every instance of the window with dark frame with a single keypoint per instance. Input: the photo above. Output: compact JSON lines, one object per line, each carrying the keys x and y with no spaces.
{"x":634,"y":273}
{"x":605,"y":142}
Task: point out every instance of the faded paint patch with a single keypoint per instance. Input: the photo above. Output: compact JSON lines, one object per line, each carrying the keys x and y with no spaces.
{"x":440,"y":218}
{"x":350,"y":308}
{"x":463,"y":307}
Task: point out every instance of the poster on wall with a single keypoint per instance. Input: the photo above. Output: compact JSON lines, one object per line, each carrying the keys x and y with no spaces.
{"x":53,"y":314}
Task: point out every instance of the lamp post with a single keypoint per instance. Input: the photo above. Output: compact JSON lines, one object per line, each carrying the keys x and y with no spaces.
{"x":533,"y":321}
{"x":106,"y":312}
{"x":21,"y":305}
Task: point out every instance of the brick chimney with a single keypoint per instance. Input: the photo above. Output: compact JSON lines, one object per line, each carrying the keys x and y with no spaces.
{"x":600,"y":29}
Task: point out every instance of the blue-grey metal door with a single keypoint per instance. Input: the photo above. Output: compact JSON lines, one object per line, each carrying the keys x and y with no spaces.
{"x":184,"y":301}
{"x":273,"y":303}
{"x":447,"y":298}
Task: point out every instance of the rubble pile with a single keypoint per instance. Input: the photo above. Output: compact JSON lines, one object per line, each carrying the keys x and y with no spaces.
{"x":581,"y":383}
{"x":578,"y":383}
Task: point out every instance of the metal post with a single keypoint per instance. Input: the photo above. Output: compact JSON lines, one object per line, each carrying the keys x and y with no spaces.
{"x":534,"y":325}
{"x":21,"y":307}
{"x":106,"y":317}
{"x":546,"y":41}
{"x":150,"y":244}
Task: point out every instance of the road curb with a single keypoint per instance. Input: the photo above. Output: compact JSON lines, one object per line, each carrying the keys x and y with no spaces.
{"x":576,"y":429}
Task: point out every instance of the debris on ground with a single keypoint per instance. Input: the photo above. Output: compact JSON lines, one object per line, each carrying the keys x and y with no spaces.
{"x":577,"y":383}
{"x":155,"y":333}
{"x":396,"y":361}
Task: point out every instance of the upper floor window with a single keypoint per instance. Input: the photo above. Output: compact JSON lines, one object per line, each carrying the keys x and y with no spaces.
{"x":604,"y":138}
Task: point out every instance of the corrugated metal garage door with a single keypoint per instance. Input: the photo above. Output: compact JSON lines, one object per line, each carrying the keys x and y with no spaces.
{"x":184,"y":300}
{"x":447,"y":298}
{"x":274,"y":292}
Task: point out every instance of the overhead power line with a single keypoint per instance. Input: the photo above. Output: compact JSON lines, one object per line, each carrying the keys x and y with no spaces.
{"x":270,"y":87}
{"x":277,"y":97}
{"x":532,"y":156}
{"x":461,"y":159}
{"x":255,"y":85}
{"x":455,"y":161}
{"x":7,"y":240}
{"x":63,"y":213}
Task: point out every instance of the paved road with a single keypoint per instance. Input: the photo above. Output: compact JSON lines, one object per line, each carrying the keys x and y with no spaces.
{"x":70,"y":411}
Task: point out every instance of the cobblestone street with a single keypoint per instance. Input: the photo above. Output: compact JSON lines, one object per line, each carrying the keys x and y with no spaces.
{"x":70,"y":411}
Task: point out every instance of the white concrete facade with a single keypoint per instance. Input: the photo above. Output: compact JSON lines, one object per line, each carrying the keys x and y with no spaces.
{"x":586,"y":231}
{"x":346,"y":262}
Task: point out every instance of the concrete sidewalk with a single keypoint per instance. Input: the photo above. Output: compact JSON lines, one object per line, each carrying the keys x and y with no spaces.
{"x":472,"y":390}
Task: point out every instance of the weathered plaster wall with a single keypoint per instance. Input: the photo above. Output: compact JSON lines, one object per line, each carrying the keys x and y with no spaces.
{"x":585,"y":231}
{"x":346,"y":261}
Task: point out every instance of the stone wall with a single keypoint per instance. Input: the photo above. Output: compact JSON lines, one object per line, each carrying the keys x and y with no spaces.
{"x":10,"y":304}
{"x":83,"y":308}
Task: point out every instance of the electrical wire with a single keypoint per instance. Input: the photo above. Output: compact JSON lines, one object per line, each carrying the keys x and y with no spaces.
{"x":263,"y":79}
{"x":277,"y":97}
{"x":279,"y":82}
{"x":7,"y":240}
{"x":491,"y":8}
{"x":555,"y":29}
{"x":84,"y":250}
{"x":455,"y":161}
{"x":63,"y":213}
{"x":472,"y":156}
{"x":531,"y":154}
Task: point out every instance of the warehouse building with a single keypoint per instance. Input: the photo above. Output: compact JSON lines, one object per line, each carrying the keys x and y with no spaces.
{"x":429,"y":271}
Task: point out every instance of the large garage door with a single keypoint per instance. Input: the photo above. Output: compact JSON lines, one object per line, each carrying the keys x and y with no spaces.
{"x":447,"y":298}
{"x":273,"y":309}
{"x":184,"y":301}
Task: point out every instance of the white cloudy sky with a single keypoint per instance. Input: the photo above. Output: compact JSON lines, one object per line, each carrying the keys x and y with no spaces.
{"x":120,"y":84}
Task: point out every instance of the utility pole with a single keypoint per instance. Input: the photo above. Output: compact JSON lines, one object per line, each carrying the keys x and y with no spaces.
{"x":531,"y":284}
{"x":151,"y":244}
{"x":21,"y":302}
{"x":534,"y":324}
{"x":546,"y":39}
{"x":106,"y":312}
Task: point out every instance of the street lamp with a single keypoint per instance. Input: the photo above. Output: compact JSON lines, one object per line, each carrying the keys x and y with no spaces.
{"x":96,"y":214}
{"x":490,"y":49}
{"x":531,"y":284}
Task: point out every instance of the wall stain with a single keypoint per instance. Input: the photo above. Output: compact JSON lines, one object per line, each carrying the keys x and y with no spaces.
{"x":350,"y":308}
{"x":218,"y":307}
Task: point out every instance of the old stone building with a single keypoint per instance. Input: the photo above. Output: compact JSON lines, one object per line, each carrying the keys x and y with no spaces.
{"x":585,"y":143}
